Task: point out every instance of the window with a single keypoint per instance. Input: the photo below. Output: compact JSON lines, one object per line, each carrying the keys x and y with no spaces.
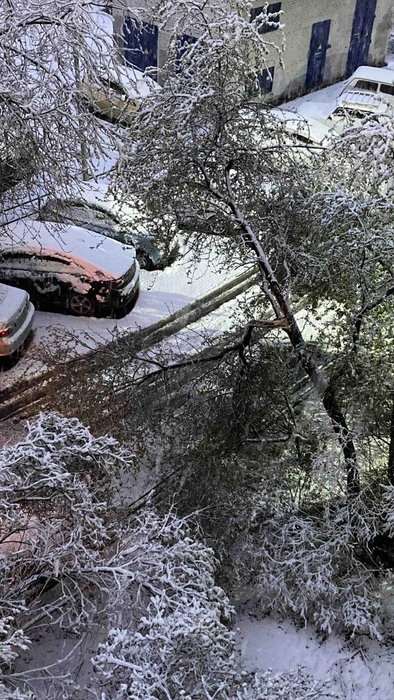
{"x":366,"y":85}
{"x":260,"y":83}
{"x":303,"y":139}
{"x":17,"y":260}
{"x":184,"y":42}
{"x":266,"y":79}
{"x":141,"y":41}
{"x":273,"y":9}
{"x":387,"y":89}
{"x":347,"y":113}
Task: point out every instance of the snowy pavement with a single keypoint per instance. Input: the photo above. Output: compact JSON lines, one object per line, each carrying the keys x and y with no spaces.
{"x":362,"y":672}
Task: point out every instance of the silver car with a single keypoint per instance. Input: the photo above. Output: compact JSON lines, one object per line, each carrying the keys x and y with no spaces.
{"x":69,"y":267}
{"x":16,"y":319}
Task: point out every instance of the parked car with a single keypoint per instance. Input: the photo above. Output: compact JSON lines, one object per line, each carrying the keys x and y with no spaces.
{"x":306,"y":131}
{"x":16,"y":320}
{"x":69,"y":267}
{"x":369,"y":81}
{"x":152,"y":253}
{"x":351,"y":109}
{"x":116,"y":94}
{"x":348,"y":114}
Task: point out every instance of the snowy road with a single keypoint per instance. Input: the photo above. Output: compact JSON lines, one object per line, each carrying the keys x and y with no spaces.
{"x":353,"y":671}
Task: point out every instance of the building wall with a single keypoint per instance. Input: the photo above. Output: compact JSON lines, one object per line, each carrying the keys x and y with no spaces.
{"x":300,"y":18}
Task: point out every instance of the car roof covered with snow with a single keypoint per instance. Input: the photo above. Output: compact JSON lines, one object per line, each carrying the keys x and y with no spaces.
{"x":378,"y":75}
{"x":89,"y":250}
{"x":134,"y":83}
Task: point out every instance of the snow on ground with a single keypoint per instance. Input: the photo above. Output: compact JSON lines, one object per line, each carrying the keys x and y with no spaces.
{"x":317,"y":104}
{"x":356,"y":671}
{"x":362,"y":671}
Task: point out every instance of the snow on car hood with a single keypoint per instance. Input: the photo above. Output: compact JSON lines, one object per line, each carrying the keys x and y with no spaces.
{"x":12,"y":300}
{"x":296,"y":123}
{"x":91,"y":251}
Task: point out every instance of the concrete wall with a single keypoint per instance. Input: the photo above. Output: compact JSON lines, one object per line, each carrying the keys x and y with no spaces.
{"x":298,"y":17}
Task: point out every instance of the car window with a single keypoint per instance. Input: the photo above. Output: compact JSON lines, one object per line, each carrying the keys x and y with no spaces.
{"x":17,"y":260}
{"x":51,"y":263}
{"x":38,"y":262}
{"x":305,"y":140}
{"x":387,"y":89}
{"x":366,"y":85}
{"x":117,"y":88}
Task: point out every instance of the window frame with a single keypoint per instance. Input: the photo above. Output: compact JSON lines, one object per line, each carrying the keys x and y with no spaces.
{"x":389,"y":89}
{"x":365,"y":81}
{"x":265,"y":77}
{"x":274,"y":8}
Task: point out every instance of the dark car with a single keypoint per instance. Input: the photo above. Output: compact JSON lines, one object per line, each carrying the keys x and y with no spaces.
{"x":69,"y":267}
{"x":152,"y":253}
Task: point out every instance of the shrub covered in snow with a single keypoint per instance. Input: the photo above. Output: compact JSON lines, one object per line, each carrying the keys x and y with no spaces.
{"x":180,"y":645}
{"x":55,"y":488}
{"x":14,"y":693}
{"x":315,"y":566}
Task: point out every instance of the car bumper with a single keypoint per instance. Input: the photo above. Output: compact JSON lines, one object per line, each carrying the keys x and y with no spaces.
{"x":13,"y":342}
{"x":121,"y":298}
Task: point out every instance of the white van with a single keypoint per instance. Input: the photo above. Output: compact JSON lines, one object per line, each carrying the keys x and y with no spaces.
{"x":369,"y":85}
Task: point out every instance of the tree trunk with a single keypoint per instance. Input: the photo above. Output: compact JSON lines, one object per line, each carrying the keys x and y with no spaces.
{"x":390,"y":465}
{"x":283,"y":310}
{"x":331,"y":406}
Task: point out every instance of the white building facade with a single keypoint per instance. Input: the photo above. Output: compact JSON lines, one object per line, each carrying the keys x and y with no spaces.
{"x":326,"y":40}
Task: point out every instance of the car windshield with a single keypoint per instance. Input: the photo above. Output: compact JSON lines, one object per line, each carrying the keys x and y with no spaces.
{"x":387,"y":89}
{"x":366,"y":85}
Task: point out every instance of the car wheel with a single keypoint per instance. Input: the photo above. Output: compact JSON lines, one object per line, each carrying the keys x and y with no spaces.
{"x":81,"y":305}
{"x":144,"y":260}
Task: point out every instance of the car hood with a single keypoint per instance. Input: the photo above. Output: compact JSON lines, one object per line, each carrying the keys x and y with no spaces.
{"x":12,"y":301}
{"x":89,"y":250}
{"x":363,"y":100}
{"x":299,"y":124}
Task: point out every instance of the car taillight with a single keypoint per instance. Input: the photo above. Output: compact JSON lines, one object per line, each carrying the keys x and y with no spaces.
{"x":4,"y":332}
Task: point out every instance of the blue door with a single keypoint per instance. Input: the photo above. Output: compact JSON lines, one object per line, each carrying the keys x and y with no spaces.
{"x":140,"y":47}
{"x":364,"y":16}
{"x":317,"y":54}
